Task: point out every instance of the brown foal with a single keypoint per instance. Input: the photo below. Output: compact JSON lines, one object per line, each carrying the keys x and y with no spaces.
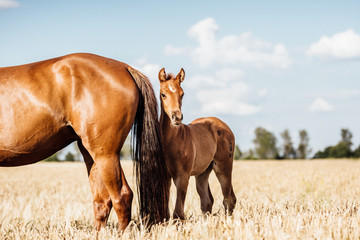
{"x":194,"y":149}
{"x":95,"y":101}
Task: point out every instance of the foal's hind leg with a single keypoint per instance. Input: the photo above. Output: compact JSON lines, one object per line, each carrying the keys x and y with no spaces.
{"x":203,"y":189}
{"x":101,"y":199}
{"x":222,"y":166}
{"x":223,"y":174}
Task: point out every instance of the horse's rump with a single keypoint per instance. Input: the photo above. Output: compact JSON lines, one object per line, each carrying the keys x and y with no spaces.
{"x":47,"y":105}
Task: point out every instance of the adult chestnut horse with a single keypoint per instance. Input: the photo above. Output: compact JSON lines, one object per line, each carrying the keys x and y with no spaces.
{"x":95,"y":101}
{"x":195,"y":149}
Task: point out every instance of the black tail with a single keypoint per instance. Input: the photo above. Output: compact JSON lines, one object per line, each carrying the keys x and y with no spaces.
{"x":151,"y":175}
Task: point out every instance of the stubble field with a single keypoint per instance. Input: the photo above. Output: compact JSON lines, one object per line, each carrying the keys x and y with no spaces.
{"x":276,"y":200}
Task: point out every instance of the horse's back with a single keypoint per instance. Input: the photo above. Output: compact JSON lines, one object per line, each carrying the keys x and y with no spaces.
{"x":47,"y":105}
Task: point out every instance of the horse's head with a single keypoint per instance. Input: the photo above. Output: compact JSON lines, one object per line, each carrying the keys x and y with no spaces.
{"x":171,"y":95}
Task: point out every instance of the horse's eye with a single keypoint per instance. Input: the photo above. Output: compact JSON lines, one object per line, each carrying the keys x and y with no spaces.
{"x":163,"y":95}
{"x":182,"y":95}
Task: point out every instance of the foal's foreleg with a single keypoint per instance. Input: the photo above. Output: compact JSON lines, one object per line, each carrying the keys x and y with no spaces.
{"x":181,"y":183}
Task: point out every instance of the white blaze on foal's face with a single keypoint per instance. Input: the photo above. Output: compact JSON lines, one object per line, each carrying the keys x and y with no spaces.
{"x":171,"y":88}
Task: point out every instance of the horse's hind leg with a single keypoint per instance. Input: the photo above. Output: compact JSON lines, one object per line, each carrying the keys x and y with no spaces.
{"x":109,"y":170}
{"x":203,"y":189}
{"x":101,"y":198}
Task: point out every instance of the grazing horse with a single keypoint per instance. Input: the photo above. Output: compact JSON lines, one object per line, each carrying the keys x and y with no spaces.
{"x":194,"y":149}
{"x":95,"y":101}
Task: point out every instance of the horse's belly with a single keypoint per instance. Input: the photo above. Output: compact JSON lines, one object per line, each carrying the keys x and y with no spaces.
{"x":26,"y":128}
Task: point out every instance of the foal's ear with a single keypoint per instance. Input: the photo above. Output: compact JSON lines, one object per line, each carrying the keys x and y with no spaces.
{"x":162,"y":75}
{"x":180,"y":77}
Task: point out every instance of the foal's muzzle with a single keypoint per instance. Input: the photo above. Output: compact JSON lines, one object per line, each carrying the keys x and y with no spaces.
{"x":176,"y":117}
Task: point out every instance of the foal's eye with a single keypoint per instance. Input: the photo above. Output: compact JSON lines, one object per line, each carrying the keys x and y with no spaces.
{"x":182,"y":95}
{"x":163,"y":95}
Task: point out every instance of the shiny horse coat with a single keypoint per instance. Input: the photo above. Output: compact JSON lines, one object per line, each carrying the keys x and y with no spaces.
{"x":95,"y":101}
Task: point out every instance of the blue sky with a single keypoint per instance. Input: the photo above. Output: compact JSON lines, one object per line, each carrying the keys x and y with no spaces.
{"x":275,"y":64}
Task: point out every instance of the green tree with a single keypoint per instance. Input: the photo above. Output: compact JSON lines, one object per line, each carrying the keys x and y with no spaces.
{"x":265,"y":144}
{"x":237,"y":153}
{"x":340,"y":150}
{"x":356,"y":153}
{"x":288,"y":149}
{"x":346,"y":137}
{"x":69,"y":157}
{"x":323,"y":154}
{"x":303,"y":149}
{"x":343,"y":148}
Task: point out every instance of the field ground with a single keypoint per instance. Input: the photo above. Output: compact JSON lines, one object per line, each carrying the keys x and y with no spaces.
{"x":276,"y":200}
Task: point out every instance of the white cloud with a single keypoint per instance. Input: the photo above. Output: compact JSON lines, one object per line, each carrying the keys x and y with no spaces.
{"x":204,"y":33}
{"x":344,"y":45}
{"x":221,"y":79}
{"x":227,"y":100}
{"x":320,"y":105}
{"x":263,"y":92}
{"x":233,"y":49}
{"x":8,"y":4}
{"x":150,"y":70}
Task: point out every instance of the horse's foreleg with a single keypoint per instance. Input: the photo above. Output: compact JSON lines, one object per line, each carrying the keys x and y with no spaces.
{"x":181,"y":184}
{"x":101,"y":198}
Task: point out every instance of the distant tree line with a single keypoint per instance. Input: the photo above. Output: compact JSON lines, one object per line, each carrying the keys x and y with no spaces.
{"x":69,"y":157}
{"x":342,"y":149}
{"x":266,"y":147}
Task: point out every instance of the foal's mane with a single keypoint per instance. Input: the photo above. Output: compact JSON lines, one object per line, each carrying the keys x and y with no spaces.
{"x":169,"y":76}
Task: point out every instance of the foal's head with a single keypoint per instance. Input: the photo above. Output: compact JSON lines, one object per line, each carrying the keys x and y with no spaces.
{"x":171,"y":95}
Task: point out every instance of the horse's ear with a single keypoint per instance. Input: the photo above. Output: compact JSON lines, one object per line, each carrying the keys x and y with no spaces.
{"x":181,"y":76}
{"x":162,"y":75}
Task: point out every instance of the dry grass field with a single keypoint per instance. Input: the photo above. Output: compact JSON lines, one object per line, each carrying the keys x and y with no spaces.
{"x":276,"y":200}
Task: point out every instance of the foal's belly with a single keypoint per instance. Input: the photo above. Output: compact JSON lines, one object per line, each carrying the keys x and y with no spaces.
{"x":202,"y":162}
